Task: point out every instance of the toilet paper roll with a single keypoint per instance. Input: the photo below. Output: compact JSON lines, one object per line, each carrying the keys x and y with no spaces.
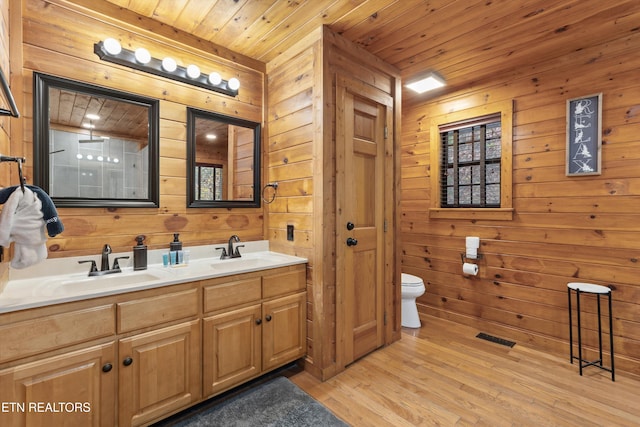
{"x":470,"y":269}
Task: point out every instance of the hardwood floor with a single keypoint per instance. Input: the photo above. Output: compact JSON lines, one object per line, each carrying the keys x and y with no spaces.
{"x":442,"y":375}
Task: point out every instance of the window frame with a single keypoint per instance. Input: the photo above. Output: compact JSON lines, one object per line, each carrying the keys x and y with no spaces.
{"x":505,"y":211}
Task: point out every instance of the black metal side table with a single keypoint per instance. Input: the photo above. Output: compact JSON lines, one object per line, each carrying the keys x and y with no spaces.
{"x":588,"y":288}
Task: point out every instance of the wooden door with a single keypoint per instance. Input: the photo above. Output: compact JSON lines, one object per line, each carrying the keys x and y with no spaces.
{"x":231,"y":348}
{"x":283,"y":330}
{"x":363,"y":120}
{"x":84,"y":378}
{"x":159,"y":373}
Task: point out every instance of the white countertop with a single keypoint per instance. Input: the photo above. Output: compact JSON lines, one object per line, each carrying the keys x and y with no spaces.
{"x":36,"y":286}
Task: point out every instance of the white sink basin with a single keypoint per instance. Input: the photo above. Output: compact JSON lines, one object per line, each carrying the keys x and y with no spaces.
{"x":251,"y":261}
{"x":90,"y":284}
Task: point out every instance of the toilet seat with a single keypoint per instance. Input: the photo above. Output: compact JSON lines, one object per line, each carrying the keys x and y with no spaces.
{"x":411,"y":280}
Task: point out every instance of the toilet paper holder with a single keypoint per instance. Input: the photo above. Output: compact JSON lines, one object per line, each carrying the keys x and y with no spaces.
{"x":464,"y":257}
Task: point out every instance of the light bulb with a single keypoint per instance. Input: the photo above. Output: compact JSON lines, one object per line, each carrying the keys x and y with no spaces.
{"x":234,"y":84}
{"x":89,"y":157}
{"x":112,"y":46}
{"x":169,"y":64}
{"x":142,"y":55}
{"x":115,"y":160}
{"x":100,"y":158}
{"x":79,"y":156}
{"x":193,"y":71}
{"x":215,"y":79}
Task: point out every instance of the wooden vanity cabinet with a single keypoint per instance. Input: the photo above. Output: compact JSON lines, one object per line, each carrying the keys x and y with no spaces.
{"x":134,"y":358}
{"x":159,"y":370}
{"x":257,"y":325}
{"x":231,"y":344}
{"x":58,"y":366}
{"x":73,"y":389}
{"x":283,"y":330}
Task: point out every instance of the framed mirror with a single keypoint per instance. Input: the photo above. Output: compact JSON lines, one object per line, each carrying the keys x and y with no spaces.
{"x":95,"y":146}
{"x":223,"y":161}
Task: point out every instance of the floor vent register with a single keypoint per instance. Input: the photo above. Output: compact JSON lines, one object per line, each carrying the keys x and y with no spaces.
{"x":496,"y":340}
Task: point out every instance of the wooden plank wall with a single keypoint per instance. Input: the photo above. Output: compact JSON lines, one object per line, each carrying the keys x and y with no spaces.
{"x":293,"y":139}
{"x":564,"y":228}
{"x":58,"y":39}
{"x":301,"y":158}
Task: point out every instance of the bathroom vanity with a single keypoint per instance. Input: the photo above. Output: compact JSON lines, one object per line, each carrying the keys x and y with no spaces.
{"x":133,"y":354}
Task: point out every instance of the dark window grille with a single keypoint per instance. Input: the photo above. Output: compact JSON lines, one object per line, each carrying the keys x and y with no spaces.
{"x":208,"y":180}
{"x":470,"y":164}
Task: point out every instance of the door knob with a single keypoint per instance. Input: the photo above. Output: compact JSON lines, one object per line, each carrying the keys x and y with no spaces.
{"x":268,"y":317}
{"x":128,"y":361}
{"x":350,"y":226}
{"x":107,"y":367}
{"x":258,"y":321}
{"x":351,"y":241}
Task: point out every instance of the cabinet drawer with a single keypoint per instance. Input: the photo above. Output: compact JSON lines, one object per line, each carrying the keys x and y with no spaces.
{"x":47,"y":333}
{"x":284,"y":283}
{"x":231,"y":294}
{"x":151,"y":311}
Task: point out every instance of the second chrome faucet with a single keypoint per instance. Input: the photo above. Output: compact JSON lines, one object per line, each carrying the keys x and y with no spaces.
{"x":231,"y":251}
{"x":104,"y":263}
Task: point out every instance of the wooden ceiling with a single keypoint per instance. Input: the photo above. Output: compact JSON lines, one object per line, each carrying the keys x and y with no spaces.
{"x":466,"y":41}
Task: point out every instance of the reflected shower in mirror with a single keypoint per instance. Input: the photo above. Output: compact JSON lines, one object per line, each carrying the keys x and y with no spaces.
{"x":223,"y":158}
{"x":95,"y":147}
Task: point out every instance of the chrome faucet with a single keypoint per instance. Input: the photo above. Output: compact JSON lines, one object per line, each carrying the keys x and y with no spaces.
{"x":230,"y":251}
{"x":104,"y":263}
{"x":105,"y":258}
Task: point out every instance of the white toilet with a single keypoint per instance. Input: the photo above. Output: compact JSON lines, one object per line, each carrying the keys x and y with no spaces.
{"x":412,"y":288}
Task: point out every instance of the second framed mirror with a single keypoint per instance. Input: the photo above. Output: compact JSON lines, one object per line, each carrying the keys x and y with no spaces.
{"x":223,"y":161}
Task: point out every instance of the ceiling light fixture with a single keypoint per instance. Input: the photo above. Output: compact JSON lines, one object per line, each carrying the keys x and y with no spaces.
{"x":193,"y":71}
{"x":142,"y":55}
{"x":110,"y":50}
{"x":430,"y":82}
{"x":169,"y":64}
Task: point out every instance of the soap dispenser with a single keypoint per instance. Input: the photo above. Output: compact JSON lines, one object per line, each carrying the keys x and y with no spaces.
{"x":176,"y":245}
{"x":140,"y":254}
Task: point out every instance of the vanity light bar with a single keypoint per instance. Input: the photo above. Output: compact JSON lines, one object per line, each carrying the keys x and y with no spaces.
{"x":154,"y":66}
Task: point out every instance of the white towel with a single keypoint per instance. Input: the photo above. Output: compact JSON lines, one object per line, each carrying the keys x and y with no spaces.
{"x":21,"y":221}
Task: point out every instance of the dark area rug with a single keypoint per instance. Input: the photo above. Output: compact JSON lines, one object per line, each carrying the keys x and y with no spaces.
{"x":277,"y":402}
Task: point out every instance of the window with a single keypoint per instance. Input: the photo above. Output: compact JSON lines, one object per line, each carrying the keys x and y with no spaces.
{"x":471,"y":165}
{"x":208,"y":180}
{"x":470,"y":169}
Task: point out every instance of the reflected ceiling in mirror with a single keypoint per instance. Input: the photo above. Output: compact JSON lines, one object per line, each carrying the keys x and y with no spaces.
{"x":94,"y":147}
{"x":223,"y":160}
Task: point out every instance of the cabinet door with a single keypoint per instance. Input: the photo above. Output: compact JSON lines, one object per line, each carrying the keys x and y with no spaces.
{"x":73,"y":389}
{"x":231,"y":352}
{"x":159,"y":373}
{"x":283,"y":330}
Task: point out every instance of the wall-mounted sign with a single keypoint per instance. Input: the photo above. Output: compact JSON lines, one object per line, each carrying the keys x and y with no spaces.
{"x":584,"y":139}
